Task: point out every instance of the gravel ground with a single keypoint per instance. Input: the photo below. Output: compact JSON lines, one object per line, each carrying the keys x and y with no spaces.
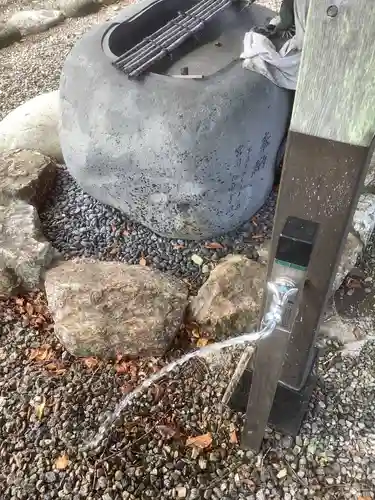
{"x":106,"y":234}
{"x":33,"y":66}
{"x":51,"y":404}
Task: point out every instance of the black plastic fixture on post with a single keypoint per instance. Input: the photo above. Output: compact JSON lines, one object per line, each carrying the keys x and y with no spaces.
{"x":290,"y":264}
{"x":329,"y":148}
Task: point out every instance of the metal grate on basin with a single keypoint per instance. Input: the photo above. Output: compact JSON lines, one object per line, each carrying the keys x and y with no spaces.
{"x":160,"y":44}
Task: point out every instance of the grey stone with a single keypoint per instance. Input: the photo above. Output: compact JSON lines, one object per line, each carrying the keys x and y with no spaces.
{"x":24,"y":252}
{"x":352,"y":249}
{"x":119,"y":475}
{"x":33,"y":125}
{"x":230,"y":300}
{"x":51,"y":476}
{"x":181,"y":491}
{"x":26,"y":175}
{"x":8,"y":35}
{"x":35,"y":21}
{"x":8,"y":282}
{"x":85,"y":488}
{"x":370,"y":176}
{"x":362,"y":228}
{"x":340,"y":328}
{"x":77,"y":8}
{"x":109,"y":308}
{"x":364,"y":217}
{"x":107,"y":496}
{"x":189,"y":159}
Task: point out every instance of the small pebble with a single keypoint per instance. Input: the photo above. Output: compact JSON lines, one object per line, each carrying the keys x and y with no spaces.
{"x":181,"y":491}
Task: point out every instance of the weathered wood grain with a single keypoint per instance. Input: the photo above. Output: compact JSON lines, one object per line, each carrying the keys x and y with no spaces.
{"x":328,"y":152}
{"x":335,"y":97}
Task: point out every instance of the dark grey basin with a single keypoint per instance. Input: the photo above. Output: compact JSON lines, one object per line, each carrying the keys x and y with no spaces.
{"x":187,"y":158}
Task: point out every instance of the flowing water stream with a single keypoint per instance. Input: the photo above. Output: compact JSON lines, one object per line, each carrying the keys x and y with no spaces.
{"x":279,"y":294}
{"x":204,"y":352}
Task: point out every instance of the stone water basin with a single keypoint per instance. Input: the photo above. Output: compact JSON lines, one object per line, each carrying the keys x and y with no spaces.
{"x":188,"y":158}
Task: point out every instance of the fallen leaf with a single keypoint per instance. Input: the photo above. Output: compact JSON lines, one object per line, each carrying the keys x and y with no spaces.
{"x":62,"y":462}
{"x":166,"y":432}
{"x":193,"y":329}
{"x":56,"y":368}
{"x":51,"y":366}
{"x":42,"y":353}
{"x":125,"y":233}
{"x":125,"y":367}
{"x":197,"y":259}
{"x":202,"y":342}
{"x":203,"y":441}
{"x":20,"y":301}
{"x":29,"y":308}
{"x":196,"y":333}
{"x":142,"y":261}
{"x":213,"y":245}
{"x":26,"y":320}
{"x":39,"y":321}
{"x":233,"y":437}
{"x":39,"y":410}
{"x":39,"y":308}
{"x":90,"y":362}
{"x":354,"y":283}
{"x":178,"y":247}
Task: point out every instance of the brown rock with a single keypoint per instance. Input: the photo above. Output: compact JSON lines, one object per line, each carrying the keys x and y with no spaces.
{"x":108,"y":308}
{"x":24,"y":252}
{"x":229,"y":302}
{"x":26,"y":175}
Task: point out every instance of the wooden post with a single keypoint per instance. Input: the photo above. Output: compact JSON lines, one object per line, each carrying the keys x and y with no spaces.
{"x":327,"y":155}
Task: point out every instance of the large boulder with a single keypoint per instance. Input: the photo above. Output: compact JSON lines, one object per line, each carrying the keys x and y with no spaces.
{"x":8,"y":35}
{"x":77,"y":8}
{"x":189,"y":158}
{"x":35,"y":21}
{"x":108,"y":308}
{"x":229,"y":301}
{"x":33,"y":125}
{"x":26,"y":175}
{"x":24,"y":252}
